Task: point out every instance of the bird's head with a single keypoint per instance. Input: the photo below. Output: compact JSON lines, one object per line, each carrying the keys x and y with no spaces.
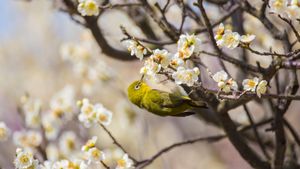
{"x":136,"y":91}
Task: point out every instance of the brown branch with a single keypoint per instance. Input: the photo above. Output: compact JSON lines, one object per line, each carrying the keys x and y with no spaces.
{"x":221,"y":20}
{"x":104,"y":165}
{"x":112,"y":6}
{"x":240,"y":95}
{"x":280,"y":141}
{"x":165,"y":26}
{"x":116,"y":142}
{"x":210,"y":32}
{"x":290,"y":23}
{"x":269,"y":53}
{"x":190,"y":12}
{"x":240,"y":144}
{"x":147,"y":162}
{"x":211,"y":139}
{"x":236,"y":62}
{"x":293,"y":131}
{"x":91,"y":23}
{"x":256,"y":134}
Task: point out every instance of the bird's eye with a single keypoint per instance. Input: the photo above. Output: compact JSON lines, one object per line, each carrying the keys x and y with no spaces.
{"x":137,"y":87}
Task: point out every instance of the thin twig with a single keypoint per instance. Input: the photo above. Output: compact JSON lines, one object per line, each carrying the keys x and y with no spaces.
{"x":210,"y":32}
{"x":211,"y":139}
{"x":290,"y":23}
{"x":258,"y":138}
{"x":223,"y":19}
{"x":104,"y":165}
{"x":116,"y":142}
{"x":293,"y":131}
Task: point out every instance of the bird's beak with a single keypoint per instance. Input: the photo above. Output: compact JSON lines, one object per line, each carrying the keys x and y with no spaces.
{"x":142,"y":78}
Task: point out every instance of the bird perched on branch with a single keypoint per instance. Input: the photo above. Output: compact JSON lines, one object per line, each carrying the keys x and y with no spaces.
{"x":160,"y":102}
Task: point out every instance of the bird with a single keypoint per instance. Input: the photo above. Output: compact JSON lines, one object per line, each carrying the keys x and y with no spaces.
{"x":160,"y":102}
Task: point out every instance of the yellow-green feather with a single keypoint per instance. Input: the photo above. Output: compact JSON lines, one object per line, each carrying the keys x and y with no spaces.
{"x":157,"y":101}
{"x":163,"y":103}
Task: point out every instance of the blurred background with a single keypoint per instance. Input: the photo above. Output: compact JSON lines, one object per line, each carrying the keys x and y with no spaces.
{"x":33,"y":37}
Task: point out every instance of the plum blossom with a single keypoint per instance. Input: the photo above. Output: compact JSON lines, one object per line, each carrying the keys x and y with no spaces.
{"x":187,"y":45}
{"x":4,"y":131}
{"x":226,"y":85}
{"x":186,"y":76}
{"x":135,"y":49}
{"x":124,"y":163}
{"x":88,"y":8}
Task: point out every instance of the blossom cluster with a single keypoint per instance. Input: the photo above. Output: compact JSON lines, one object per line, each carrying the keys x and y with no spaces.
{"x":162,"y":60}
{"x":65,"y":153}
{"x":226,"y":38}
{"x":227,"y":85}
{"x":25,"y":159}
{"x":27,"y":139}
{"x":93,"y":113}
{"x":291,"y":8}
{"x":178,"y":66}
{"x":87,"y":67}
{"x":224,"y":83}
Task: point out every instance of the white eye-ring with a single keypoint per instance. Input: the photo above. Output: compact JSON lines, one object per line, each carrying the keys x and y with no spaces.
{"x":137,"y":87}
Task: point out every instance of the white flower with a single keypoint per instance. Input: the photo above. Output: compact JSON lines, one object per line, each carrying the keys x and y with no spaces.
{"x":124,"y":163}
{"x":176,"y":61}
{"x":4,"y":131}
{"x":31,"y":105}
{"x":250,"y":84}
{"x":220,"y":31}
{"x":247,"y":38}
{"x":186,"y":76}
{"x":95,"y":155}
{"x":35,"y":165}
{"x":113,"y":154}
{"x":150,"y":68}
{"x":220,"y":76}
{"x":76,"y":53}
{"x":293,"y":11}
{"x":135,"y":49}
{"x":31,"y":110}
{"x":33,"y":120}
{"x":47,"y":165}
{"x":87,"y":114}
{"x":27,"y":139}
{"x":278,"y":6}
{"x":91,"y":114}
{"x":89,"y":144}
{"x":162,"y":57}
{"x":230,"y":39}
{"x":261,"y":88}
{"x":88,"y":8}
{"x":23,"y":159}
{"x":62,"y":164}
{"x":101,"y":71}
{"x":61,"y":103}
{"x":51,"y":125}
{"x":187,"y":45}
{"x":104,"y":116}
{"x":77,"y":164}
{"x":225,"y":84}
{"x":230,"y":85}
{"x":52,"y":152}
{"x":68,"y":142}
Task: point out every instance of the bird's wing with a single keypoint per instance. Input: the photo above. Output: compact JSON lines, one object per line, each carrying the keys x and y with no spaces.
{"x":165,"y":99}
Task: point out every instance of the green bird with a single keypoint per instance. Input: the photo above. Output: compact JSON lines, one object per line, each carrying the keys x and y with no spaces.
{"x":160,"y":102}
